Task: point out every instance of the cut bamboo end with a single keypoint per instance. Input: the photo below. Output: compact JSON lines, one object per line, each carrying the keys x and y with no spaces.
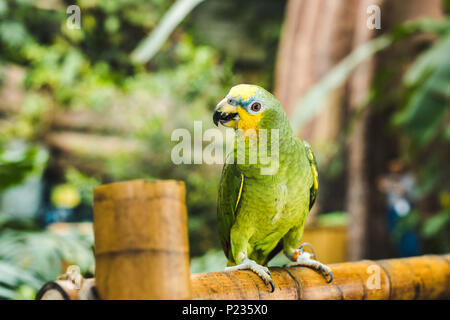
{"x":141,"y":240}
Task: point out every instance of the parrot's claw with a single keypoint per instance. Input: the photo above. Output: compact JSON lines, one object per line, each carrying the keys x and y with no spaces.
{"x":262,"y":271}
{"x":304,"y":259}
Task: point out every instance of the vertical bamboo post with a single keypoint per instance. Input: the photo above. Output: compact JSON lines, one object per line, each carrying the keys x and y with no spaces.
{"x":141,"y":240}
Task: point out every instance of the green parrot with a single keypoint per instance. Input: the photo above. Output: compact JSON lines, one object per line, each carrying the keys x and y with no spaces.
{"x":261,"y":213}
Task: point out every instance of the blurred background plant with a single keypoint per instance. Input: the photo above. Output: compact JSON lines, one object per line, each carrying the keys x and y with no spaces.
{"x":77,"y":111}
{"x":81,"y":107}
{"x":419,"y":122}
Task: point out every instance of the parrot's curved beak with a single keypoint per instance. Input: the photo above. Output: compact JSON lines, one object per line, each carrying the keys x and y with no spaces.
{"x":226,"y":114}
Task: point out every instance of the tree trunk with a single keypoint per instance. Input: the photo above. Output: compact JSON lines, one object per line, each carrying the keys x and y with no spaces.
{"x":318,"y":34}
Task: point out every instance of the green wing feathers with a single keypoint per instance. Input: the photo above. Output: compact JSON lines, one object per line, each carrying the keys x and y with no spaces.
{"x":230,"y":190}
{"x":315,"y":174}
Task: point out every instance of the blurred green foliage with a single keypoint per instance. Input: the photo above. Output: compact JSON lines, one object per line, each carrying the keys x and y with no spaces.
{"x":19,"y":160}
{"x":83,"y":183}
{"x":419,"y":109}
{"x":221,"y":43}
{"x":29,"y":257}
{"x":90,"y":69}
{"x":421,"y":123}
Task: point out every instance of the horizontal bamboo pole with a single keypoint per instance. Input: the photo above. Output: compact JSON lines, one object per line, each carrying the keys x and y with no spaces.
{"x":424,"y":277}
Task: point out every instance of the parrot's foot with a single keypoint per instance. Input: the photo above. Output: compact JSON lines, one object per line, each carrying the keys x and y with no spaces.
{"x":304,"y":259}
{"x":261,"y":271}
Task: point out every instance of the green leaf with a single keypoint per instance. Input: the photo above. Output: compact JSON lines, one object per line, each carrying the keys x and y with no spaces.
{"x":7,"y":293}
{"x":213,"y":260}
{"x":429,"y":60}
{"x":70,"y":67}
{"x":18,"y":160}
{"x":13,"y":33}
{"x":150,"y":46}
{"x":12,"y":275}
{"x":313,"y":101}
{"x":435,"y":224}
{"x":428,"y":104}
{"x":25,"y":292}
{"x":35,"y":257}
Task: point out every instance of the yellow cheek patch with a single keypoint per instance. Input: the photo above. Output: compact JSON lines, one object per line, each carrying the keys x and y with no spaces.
{"x":244,"y":91}
{"x":248,"y":121}
{"x":230,"y":124}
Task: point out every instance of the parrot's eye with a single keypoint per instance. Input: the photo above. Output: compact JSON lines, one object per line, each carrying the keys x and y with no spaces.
{"x":256,"y":106}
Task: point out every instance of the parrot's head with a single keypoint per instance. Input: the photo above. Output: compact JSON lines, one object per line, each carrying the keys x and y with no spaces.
{"x":249,"y":106}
